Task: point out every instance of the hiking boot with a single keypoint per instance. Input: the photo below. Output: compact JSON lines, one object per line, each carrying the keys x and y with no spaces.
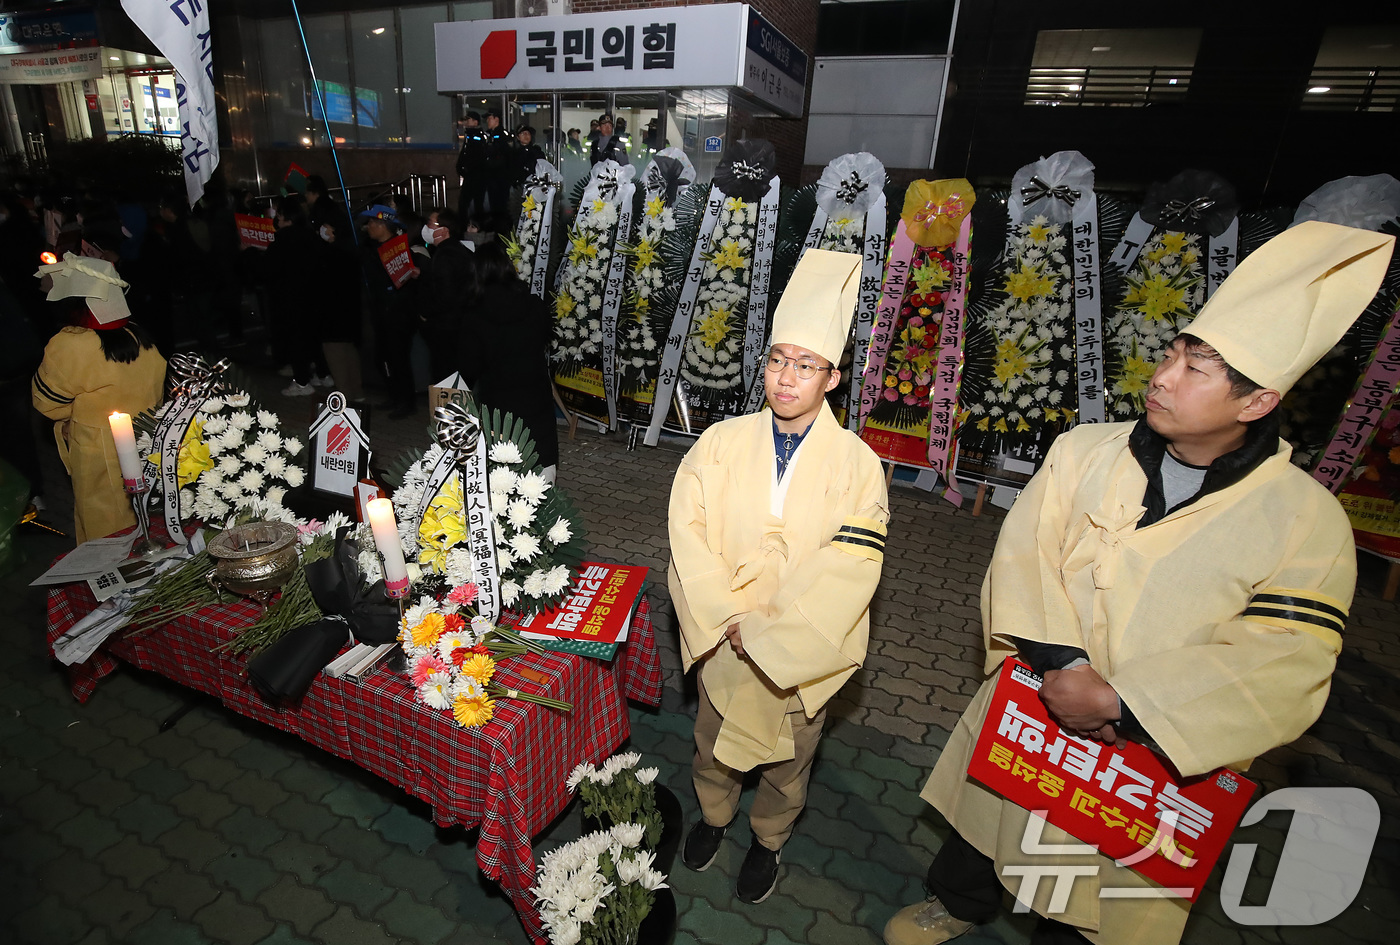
{"x":924,"y":923}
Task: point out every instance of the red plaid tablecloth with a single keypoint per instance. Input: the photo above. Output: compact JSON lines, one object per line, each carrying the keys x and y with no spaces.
{"x":507,"y":777}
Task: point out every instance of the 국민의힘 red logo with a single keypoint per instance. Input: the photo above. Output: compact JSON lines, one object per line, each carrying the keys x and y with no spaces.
{"x":498,"y":54}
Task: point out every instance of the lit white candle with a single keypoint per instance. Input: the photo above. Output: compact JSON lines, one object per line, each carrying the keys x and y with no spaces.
{"x":386,"y":539}
{"x":125,"y":439}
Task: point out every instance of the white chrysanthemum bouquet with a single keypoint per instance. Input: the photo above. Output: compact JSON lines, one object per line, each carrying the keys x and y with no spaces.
{"x":619,"y":792}
{"x":599,"y":888}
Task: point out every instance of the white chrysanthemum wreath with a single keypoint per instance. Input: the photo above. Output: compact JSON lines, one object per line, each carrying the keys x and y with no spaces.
{"x":536,"y":531}
{"x":233,"y":456}
{"x":1031,"y":328}
{"x":637,"y":350}
{"x":713,"y":354}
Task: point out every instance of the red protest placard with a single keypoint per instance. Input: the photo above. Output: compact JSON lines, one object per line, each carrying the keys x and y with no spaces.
{"x":597,"y":609}
{"x":254,"y":232}
{"x":1118,"y":798}
{"x":393,"y":253}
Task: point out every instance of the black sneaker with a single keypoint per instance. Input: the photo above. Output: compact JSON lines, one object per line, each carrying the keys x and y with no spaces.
{"x":702,"y":846}
{"x":759,"y":874}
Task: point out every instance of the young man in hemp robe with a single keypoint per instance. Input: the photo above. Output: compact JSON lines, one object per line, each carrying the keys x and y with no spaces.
{"x":1176,"y":581}
{"x":777,"y":525}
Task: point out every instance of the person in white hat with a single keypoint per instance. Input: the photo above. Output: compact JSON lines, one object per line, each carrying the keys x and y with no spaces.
{"x":100,"y":363}
{"x":777,"y":524}
{"x":1175,"y":580}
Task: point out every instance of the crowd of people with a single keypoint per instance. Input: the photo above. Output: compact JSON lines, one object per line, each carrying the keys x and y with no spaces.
{"x":491,"y":163}
{"x":320,"y":289}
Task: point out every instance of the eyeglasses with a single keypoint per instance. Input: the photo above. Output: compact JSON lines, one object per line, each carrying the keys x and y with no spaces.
{"x":806,"y":370}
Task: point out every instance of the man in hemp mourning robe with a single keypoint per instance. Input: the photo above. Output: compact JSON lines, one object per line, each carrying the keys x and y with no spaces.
{"x":1176,"y":581}
{"x":777,"y":523}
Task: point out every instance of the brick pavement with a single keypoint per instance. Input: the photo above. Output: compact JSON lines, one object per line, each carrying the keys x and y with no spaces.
{"x":224,"y":831}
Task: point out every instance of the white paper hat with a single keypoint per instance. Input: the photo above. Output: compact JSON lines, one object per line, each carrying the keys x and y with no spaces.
{"x":1292,"y":299}
{"x":819,"y":303}
{"x":95,"y":280}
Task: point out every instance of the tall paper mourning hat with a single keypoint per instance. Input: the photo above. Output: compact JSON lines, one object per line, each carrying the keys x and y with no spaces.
{"x":94,"y":280}
{"x":819,"y":303}
{"x":1291,"y":300}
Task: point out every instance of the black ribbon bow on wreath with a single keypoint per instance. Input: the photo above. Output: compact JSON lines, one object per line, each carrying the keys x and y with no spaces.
{"x":667,"y":176}
{"x":747,"y":168}
{"x":1191,"y":202}
{"x":542,"y":182}
{"x":457,"y":430}
{"x":1037,"y":190}
{"x":193,"y":377}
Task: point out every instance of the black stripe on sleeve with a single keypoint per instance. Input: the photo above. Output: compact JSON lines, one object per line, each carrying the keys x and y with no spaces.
{"x":1307,"y":602}
{"x":850,"y":540}
{"x":1298,"y":615}
{"x":49,"y":392}
{"x":867,"y":532}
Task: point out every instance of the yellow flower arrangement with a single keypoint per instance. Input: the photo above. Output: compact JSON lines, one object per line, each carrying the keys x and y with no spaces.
{"x":193,"y":457}
{"x":715,"y":326}
{"x":1157,"y":297}
{"x":1136,"y":374}
{"x":444,"y":526}
{"x":729,"y":256}
{"x":644,"y":254}
{"x":1011,"y":360}
{"x":1029,"y":282}
{"x":656,"y":206}
{"x":929,"y":277}
{"x":473,"y":711}
{"x":480,"y":667}
{"x":582,"y":248}
{"x":427,"y":630}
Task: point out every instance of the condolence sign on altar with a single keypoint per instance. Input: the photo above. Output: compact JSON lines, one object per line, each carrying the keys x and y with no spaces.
{"x":593,"y":619}
{"x":397,"y":262}
{"x":1121,"y":798}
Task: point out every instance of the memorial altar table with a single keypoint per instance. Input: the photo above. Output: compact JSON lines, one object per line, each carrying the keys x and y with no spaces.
{"x":506,"y":777}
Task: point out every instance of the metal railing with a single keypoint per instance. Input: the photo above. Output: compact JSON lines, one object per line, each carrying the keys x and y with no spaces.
{"x":1105,"y":85}
{"x":1357,"y":89}
{"x":1352,"y":90}
{"x":421,"y":192}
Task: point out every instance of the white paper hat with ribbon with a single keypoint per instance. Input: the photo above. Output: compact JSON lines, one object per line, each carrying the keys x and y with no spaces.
{"x":95,"y":280}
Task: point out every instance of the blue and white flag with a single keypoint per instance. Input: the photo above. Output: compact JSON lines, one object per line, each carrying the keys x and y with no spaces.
{"x":180,"y":30}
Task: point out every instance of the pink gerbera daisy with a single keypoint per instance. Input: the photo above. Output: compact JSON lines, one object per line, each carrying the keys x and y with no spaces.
{"x":463,"y":594}
{"x":426,"y":666}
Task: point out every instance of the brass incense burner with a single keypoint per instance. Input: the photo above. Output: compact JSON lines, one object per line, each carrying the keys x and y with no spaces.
{"x":254,"y":560}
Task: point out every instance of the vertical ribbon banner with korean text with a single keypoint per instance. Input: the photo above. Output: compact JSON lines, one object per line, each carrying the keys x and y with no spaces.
{"x":1372,"y":499}
{"x":1362,"y":416}
{"x":180,"y":30}
{"x":192,"y":381}
{"x":590,"y":287}
{"x":668,"y":376}
{"x":461,"y":472}
{"x":529,"y":248}
{"x":1034,"y":349}
{"x":711,"y":364}
{"x":850,"y":218}
{"x":909,"y":397}
{"x":638,"y":352}
{"x":1164,"y":256}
